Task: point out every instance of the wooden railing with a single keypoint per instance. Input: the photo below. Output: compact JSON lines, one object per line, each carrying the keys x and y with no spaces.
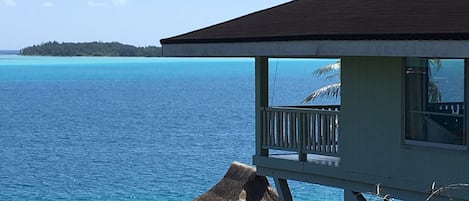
{"x":303,"y":130}
{"x":449,"y":115}
{"x":448,"y":108}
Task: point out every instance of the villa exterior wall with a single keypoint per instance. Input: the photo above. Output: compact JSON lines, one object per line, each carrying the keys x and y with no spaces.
{"x":370,"y":114}
{"x":372,"y":148}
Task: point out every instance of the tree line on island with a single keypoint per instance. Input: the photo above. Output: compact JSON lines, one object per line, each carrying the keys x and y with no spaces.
{"x":111,"y":49}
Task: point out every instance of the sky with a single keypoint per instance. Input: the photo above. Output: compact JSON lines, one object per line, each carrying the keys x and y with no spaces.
{"x":136,"y":22}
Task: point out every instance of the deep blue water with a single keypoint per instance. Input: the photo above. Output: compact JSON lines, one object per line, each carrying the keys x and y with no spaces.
{"x":135,"y":128}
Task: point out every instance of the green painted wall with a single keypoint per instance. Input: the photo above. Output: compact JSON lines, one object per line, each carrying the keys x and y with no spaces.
{"x":370,"y":113}
{"x":371,"y":131}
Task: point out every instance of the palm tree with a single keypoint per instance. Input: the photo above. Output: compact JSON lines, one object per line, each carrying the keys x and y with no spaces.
{"x":333,"y":71}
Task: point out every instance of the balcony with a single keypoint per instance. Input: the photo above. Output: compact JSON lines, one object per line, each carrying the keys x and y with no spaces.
{"x":303,"y":133}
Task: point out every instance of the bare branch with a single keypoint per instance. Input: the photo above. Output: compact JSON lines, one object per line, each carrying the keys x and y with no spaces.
{"x":437,"y":191}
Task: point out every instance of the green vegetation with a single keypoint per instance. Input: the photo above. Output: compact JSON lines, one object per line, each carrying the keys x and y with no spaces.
{"x":112,"y":49}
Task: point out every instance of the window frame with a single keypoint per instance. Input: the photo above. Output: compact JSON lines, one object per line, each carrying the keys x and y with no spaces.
{"x":409,"y":143}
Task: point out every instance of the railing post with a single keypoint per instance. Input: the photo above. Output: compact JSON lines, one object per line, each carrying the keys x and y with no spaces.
{"x":262,"y":100}
{"x":302,"y":155}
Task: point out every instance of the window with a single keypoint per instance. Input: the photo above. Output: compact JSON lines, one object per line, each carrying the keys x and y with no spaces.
{"x":435,"y":101}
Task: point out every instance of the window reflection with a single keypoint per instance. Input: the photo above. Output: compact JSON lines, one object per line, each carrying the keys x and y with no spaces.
{"x":435,"y":100}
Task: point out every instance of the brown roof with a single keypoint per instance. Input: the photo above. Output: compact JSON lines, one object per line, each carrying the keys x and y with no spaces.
{"x":342,"y":20}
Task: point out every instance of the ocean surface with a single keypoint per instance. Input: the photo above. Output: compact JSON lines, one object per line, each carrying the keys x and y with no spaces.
{"x":136,"y":128}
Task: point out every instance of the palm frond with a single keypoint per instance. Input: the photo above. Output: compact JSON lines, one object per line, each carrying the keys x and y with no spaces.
{"x":333,"y":76}
{"x":434,"y":94}
{"x":329,"y":90}
{"x":435,"y":62}
{"x":327,"y":69}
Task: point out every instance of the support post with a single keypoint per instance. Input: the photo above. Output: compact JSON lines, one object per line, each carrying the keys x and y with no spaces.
{"x":262,"y":100}
{"x":353,"y":196}
{"x":283,"y":190}
{"x":302,"y":155}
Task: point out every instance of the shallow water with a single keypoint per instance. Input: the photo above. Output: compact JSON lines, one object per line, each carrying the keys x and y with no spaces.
{"x":134,"y":128}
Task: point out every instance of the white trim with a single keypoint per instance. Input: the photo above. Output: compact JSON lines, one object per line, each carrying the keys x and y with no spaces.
{"x":323,"y":48}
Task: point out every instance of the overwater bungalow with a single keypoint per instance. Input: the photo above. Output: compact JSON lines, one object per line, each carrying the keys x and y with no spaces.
{"x":398,"y":124}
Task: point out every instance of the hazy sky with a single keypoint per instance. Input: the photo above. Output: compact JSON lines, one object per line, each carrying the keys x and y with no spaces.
{"x":136,"y":22}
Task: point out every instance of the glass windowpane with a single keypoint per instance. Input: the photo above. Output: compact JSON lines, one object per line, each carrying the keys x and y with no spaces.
{"x":435,"y":100}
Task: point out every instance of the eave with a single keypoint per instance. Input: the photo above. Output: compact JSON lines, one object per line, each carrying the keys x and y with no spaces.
{"x":322,"y":48}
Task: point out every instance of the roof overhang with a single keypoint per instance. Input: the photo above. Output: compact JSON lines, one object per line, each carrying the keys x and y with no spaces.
{"x":325,"y":28}
{"x":323,"y":48}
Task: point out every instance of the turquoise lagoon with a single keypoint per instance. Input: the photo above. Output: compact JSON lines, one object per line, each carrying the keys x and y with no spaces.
{"x":74,"y":128}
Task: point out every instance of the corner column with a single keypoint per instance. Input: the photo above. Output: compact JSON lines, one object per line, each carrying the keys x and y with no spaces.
{"x":262,"y":99}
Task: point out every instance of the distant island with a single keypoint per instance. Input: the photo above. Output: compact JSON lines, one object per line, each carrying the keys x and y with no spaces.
{"x":111,"y":49}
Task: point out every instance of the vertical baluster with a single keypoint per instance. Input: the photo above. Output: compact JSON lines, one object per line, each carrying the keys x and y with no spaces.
{"x":264,"y":126}
{"x":337,"y":126}
{"x":287,"y":129}
{"x":334,"y":134}
{"x":284,"y":132}
{"x":301,"y":136}
{"x":294,"y":124}
{"x":274,"y":128}
{"x":329,"y":133}
{"x":269,"y":127}
{"x":291,"y":129}
{"x":314,"y":132}
{"x":265,"y":122}
{"x":269,"y":132}
{"x":308,"y":131}
{"x":326,"y":133}
{"x":300,"y":130}
{"x":318,"y":132}
{"x":282,"y":129}
{"x":289,"y":136}
{"x":323,"y":133}
{"x":332,"y":129}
